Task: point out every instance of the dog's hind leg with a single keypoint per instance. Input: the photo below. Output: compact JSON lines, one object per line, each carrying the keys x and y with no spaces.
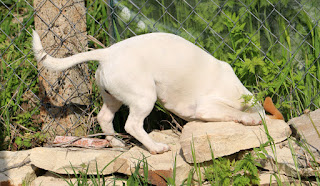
{"x":139,"y":110}
{"x":105,"y":117}
{"x":217,"y":109}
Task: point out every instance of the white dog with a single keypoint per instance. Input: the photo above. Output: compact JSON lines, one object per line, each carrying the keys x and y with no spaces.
{"x":136,"y":72}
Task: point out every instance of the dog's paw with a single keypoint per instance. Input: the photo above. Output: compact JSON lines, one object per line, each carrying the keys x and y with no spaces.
{"x":115,"y":142}
{"x":159,"y":148}
{"x":251,"y":119}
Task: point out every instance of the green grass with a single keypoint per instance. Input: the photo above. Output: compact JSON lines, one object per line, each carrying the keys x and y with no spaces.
{"x":18,"y":79}
{"x":262,"y":153}
{"x":81,"y":175}
{"x":224,"y":171}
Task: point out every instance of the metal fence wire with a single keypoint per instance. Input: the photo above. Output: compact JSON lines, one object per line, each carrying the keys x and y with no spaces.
{"x":273,"y":46}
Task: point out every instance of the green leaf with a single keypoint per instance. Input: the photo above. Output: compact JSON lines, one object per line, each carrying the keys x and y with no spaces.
{"x":26,"y":143}
{"x":18,"y":141}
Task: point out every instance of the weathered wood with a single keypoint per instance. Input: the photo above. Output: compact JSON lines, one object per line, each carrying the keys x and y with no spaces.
{"x":61,"y":25}
{"x":110,"y":20}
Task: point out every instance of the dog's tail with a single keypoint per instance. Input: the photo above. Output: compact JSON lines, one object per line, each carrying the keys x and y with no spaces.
{"x":58,"y":64}
{"x":269,"y":107}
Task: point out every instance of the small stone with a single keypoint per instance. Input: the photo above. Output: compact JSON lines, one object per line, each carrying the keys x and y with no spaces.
{"x":159,"y":177}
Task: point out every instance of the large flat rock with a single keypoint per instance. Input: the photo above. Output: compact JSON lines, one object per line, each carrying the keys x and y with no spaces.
{"x":15,"y":167}
{"x":227,"y":137}
{"x":62,"y":160}
{"x":305,"y":128}
{"x":49,"y":179}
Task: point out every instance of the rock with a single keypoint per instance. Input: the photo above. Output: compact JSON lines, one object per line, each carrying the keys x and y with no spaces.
{"x":59,"y":160}
{"x":15,"y":168}
{"x":227,"y":138}
{"x":163,"y":161}
{"x":66,"y":160}
{"x":50,"y":179}
{"x":268,"y":178}
{"x":159,"y":177}
{"x":285,"y":160}
{"x":304,"y":127}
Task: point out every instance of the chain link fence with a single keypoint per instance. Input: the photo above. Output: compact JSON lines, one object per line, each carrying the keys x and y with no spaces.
{"x":273,"y":46}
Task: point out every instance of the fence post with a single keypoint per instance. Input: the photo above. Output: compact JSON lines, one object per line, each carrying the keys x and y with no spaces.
{"x":110,"y":12}
{"x":64,"y":96}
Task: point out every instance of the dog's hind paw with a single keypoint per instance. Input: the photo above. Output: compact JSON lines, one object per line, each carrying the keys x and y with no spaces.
{"x":159,"y":148}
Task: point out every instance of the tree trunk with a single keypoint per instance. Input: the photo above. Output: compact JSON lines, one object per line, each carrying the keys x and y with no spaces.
{"x":64,"y":96}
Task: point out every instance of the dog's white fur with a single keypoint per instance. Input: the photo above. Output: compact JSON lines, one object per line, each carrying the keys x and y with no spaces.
{"x":185,"y":79}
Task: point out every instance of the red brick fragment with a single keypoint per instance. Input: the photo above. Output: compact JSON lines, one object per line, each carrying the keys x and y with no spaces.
{"x":83,"y":142}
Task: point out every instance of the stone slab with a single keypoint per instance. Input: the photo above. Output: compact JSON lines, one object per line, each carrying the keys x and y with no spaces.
{"x":305,"y":128}
{"x":227,"y":138}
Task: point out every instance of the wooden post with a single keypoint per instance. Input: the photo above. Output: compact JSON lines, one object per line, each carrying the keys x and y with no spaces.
{"x":64,"y":96}
{"x":110,"y":12}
